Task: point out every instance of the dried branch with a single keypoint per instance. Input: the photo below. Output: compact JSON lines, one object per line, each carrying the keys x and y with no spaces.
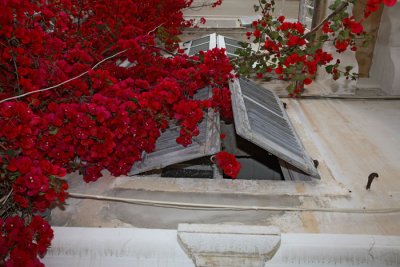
{"x":76,"y":77}
{"x":339,"y":9}
{"x":4,"y":199}
{"x":64,"y":82}
{"x":155,"y":29}
{"x":16,"y":73}
{"x":170,"y":52}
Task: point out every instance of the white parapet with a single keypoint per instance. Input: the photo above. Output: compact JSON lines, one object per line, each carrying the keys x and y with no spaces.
{"x":217,"y":245}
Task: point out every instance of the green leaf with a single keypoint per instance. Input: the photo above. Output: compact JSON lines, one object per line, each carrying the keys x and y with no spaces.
{"x":243,"y":44}
{"x":256,"y":8}
{"x":291,"y":88}
{"x":345,"y":34}
{"x":335,"y":26}
{"x":329,"y":68}
{"x":53,"y":130}
{"x":365,"y":43}
{"x":134,"y":100}
{"x":335,"y":4}
{"x":324,"y":38}
{"x":311,"y":50}
{"x":274,"y":35}
{"x":11,"y":153}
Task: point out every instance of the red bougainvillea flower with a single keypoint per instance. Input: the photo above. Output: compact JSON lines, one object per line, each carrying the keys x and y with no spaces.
{"x":228,"y":163}
{"x":355,"y":27}
{"x":307,"y":81}
{"x":390,"y":2}
{"x":372,"y":5}
{"x":257,"y":33}
{"x":341,"y":46}
{"x":327,"y":27}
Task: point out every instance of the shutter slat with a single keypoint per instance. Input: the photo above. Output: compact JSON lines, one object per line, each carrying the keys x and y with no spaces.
{"x":168,"y":152}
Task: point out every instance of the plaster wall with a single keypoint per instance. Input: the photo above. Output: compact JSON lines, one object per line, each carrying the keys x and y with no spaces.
{"x":385,"y":68}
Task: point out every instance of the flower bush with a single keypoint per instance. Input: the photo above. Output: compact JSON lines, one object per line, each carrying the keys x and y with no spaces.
{"x":291,"y":53}
{"x":87,"y":86}
{"x":67,"y":105}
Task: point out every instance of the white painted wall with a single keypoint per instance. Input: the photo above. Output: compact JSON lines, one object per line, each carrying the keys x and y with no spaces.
{"x":385,"y":70}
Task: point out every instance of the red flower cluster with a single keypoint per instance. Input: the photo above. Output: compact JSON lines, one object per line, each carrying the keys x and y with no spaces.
{"x":217,"y":3}
{"x":326,"y":28}
{"x":188,"y":114}
{"x":228,"y":163}
{"x":38,"y":185}
{"x":372,"y":5}
{"x":20,"y":243}
{"x":355,"y":27}
{"x":293,"y":27}
{"x":221,"y":100}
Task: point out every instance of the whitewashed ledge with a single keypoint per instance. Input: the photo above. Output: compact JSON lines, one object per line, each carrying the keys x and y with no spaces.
{"x":121,"y":247}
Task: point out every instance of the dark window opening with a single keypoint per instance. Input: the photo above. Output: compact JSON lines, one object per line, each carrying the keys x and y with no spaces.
{"x":256,"y":163}
{"x":197,"y":168}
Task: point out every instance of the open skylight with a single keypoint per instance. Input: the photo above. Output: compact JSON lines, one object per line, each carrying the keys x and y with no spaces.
{"x":259,"y":118}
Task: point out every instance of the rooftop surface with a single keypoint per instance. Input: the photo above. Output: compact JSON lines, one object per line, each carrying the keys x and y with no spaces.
{"x":350,"y":139}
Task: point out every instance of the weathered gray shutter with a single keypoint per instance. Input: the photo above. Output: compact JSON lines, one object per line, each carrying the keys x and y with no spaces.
{"x":168,"y":152}
{"x":260,"y":118}
{"x":231,"y":45}
{"x":211,"y":41}
{"x":202,"y":44}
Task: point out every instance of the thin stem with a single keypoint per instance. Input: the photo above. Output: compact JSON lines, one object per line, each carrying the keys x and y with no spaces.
{"x":64,"y":82}
{"x":169,"y":52}
{"x":76,"y":77}
{"x":155,"y":29}
{"x":261,"y":5}
{"x":16,"y":73}
{"x":4,"y":199}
